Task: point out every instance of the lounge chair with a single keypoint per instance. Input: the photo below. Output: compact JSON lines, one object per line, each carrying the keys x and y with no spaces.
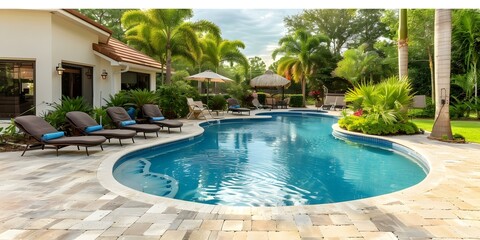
{"x":154,"y":115}
{"x":333,"y":102}
{"x":270,"y":101}
{"x":258,"y":105}
{"x":46,"y":134}
{"x":196,"y":109}
{"x":86,"y":125}
{"x":234,"y":107}
{"x":122,"y":120}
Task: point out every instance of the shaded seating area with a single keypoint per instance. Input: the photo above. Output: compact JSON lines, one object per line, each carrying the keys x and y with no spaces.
{"x":45,"y":134}
{"x":234,"y":107}
{"x":196,"y":109}
{"x":154,"y":115}
{"x":86,"y":125}
{"x":122,"y":120}
{"x":258,"y":105}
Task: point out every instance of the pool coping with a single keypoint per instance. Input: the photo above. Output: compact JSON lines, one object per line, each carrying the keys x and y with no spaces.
{"x":106,"y":179}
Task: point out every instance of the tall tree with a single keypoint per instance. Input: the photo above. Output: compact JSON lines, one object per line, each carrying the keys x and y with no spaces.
{"x":170,"y":28}
{"x":109,"y":18}
{"x":466,"y":38}
{"x":337,"y":24}
{"x":443,"y":37}
{"x":358,"y":65}
{"x":403,"y":44}
{"x":368,"y":28}
{"x":257,"y":67}
{"x":303,"y":53}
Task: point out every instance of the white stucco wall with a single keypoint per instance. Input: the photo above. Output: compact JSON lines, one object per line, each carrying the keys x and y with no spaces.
{"x":26,"y":35}
{"x":48,"y":39}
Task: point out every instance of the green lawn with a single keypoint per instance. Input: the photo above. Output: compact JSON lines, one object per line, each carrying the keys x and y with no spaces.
{"x":469,"y":129}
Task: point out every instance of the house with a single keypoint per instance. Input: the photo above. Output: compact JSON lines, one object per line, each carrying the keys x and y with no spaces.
{"x":47,"y":54}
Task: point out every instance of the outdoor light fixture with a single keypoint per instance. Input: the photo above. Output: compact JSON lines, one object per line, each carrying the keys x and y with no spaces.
{"x":104,"y":74}
{"x":60,"y":69}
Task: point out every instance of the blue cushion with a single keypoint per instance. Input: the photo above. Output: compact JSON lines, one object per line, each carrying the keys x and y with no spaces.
{"x":53,"y":135}
{"x":158,"y":118}
{"x":94,"y":128}
{"x":131,"y":112}
{"x":235,"y":106}
{"x":128,"y":122}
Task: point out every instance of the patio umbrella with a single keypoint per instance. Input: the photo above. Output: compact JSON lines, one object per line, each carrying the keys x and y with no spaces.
{"x":208,"y":76}
{"x":269,"y":80}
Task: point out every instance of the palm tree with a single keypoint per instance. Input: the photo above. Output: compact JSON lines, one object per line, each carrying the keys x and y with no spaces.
{"x":218,"y":51}
{"x":358,"y":64}
{"x":403,"y":44}
{"x":466,"y":36}
{"x":303,"y":52}
{"x":169,"y":29}
{"x":443,"y":37}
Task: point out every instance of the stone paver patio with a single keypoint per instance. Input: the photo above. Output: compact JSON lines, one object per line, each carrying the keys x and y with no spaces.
{"x":72,"y":196}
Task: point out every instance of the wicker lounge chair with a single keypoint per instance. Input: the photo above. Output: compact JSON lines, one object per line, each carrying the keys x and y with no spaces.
{"x":154,"y":115}
{"x":86,"y":125}
{"x":122,"y":120}
{"x":46,"y":134}
{"x":234,"y":107}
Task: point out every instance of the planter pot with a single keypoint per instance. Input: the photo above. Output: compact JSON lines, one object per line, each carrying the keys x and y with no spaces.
{"x":318,"y":103}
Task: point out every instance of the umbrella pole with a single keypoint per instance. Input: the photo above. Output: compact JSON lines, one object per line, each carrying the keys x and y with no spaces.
{"x":208,"y":89}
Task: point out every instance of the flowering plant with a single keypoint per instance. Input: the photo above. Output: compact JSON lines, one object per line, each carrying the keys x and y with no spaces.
{"x":317,"y":94}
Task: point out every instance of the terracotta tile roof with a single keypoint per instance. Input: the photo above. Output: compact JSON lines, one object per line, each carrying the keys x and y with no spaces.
{"x":120,"y":52}
{"x":88,"y":20}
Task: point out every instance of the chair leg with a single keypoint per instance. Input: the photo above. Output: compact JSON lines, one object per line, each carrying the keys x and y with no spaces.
{"x":133,"y":140}
{"x":101,"y":147}
{"x":120,"y":140}
{"x":144,"y":136}
{"x":78,"y":147}
{"x":168,"y":130}
{"x":25,"y":149}
{"x":56,"y":147}
{"x":156,"y":133}
{"x":86,"y":150}
{"x":180,"y":129}
{"x":109,"y":140}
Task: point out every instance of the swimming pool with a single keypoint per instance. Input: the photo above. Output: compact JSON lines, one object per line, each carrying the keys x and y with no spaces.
{"x":290,"y":159}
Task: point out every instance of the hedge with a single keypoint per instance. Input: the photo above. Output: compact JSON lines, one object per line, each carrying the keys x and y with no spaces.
{"x":296,"y":100}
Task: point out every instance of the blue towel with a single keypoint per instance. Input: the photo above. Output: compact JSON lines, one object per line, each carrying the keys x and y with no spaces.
{"x":94,"y":128}
{"x":53,"y":135}
{"x":128,"y":122}
{"x":131,"y":112}
{"x":158,"y":118}
{"x":235,"y":106}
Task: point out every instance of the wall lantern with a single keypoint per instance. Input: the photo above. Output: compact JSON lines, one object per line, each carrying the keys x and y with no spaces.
{"x":104,"y":74}
{"x":60,"y":69}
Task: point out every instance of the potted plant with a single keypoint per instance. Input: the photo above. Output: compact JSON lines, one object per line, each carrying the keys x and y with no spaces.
{"x":318,"y":96}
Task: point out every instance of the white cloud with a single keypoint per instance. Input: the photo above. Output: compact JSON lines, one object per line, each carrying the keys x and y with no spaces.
{"x":259,"y":29}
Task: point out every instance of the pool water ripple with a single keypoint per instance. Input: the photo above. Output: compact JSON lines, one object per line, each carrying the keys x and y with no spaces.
{"x":288,"y":160}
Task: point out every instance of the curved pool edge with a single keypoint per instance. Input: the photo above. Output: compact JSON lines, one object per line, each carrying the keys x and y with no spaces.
{"x":106,"y":179}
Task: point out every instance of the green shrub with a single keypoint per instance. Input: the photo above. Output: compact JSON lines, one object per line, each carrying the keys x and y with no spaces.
{"x":296,"y":100}
{"x":376,"y":127}
{"x":57,"y":116}
{"x":173,"y":99}
{"x":100,"y":115}
{"x":217,"y":102}
{"x":117,"y":100}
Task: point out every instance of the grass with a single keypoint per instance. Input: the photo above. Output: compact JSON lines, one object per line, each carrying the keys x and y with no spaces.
{"x":469,"y":129}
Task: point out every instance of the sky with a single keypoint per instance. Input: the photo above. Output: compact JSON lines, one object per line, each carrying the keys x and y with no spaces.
{"x":258,"y":29}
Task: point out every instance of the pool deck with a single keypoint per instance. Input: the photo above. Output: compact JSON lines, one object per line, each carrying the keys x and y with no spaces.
{"x":43,"y":196}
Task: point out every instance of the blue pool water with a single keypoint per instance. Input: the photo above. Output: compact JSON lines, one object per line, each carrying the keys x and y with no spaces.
{"x":290,"y":159}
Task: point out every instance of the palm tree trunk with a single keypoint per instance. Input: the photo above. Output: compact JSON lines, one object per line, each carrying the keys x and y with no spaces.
{"x":403,"y":45}
{"x":304,"y":83}
{"x":432,"y":74}
{"x":168,"y":78}
{"x":443,"y":54}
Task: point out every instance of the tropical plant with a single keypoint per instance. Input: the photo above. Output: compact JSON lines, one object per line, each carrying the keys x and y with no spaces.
{"x":387,"y":101}
{"x":173,"y":99}
{"x":304,"y":53}
{"x":57,"y":116}
{"x":139,"y":97}
{"x":443,"y":38}
{"x":358,"y":65}
{"x":100,"y":115}
{"x":217,"y":51}
{"x":217,"y":102}
{"x":120,"y":99}
{"x":169,"y":31}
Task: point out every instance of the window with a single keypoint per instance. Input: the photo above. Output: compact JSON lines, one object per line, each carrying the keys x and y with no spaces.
{"x":135,"y":80}
{"x":17,"y":88}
